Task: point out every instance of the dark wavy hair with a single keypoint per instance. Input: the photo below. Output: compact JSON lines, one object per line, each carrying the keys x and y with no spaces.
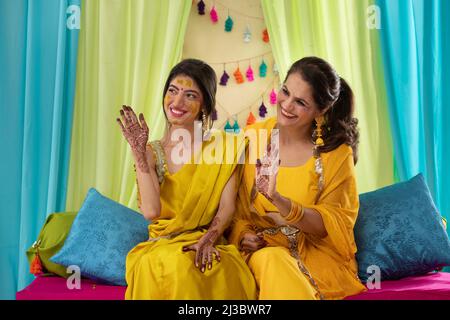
{"x":203,"y":75}
{"x":331,"y":93}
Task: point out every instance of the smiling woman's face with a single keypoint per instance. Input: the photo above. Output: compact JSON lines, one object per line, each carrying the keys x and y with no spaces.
{"x":296,"y":106}
{"x":183,"y":101}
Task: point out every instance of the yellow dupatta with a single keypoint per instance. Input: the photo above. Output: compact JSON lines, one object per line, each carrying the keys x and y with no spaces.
{"x":191,"y":196}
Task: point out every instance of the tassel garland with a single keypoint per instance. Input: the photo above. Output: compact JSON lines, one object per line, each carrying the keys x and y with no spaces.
{"x":251,"y":119}
{"x":213,"y":15}
{"x":262,"y":110}
{"x":228,"y":24}
{"x":238,"y":76}
{"x":263,"y":69}
{"x":247,"y":35}
{"x":224,"y":78}
{"x":273,"y":97}
{"x":249,"y":74}
{"x":201,"y":7}
{"x":265,"y":36}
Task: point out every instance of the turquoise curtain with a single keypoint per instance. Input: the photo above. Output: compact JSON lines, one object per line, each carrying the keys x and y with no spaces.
{"x":38,"y":48}
{"x":415,"y":40}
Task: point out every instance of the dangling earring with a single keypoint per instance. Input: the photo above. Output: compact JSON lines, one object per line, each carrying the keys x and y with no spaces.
{"x":318,"y":131}
{"x":318,"y":163}
{"x":206,"y":126}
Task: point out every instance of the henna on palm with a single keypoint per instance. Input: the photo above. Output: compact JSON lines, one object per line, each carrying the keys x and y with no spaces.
{"x":266,"y":170}
{"x":137,"y":136}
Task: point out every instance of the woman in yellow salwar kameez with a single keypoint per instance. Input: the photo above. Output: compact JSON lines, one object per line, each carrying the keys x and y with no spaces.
{"x":297,"y":207}
{"x":190,"y":202}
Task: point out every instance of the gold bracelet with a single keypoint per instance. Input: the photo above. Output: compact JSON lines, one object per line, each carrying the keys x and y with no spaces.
{"x":296,"y":214}
{"x":292,"y":212}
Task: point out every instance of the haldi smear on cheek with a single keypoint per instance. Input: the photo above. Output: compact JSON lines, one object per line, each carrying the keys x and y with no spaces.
{"x":193,"y":105}
{"x":166,"y":99}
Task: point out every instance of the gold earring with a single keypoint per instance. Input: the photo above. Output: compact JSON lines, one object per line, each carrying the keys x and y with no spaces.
{"x":318,"y":131}
{"x":206,"y":125}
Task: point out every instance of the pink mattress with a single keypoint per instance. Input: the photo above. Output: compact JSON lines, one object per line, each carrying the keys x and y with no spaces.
{"x":434,"y":286}
{"x":55,"y":288}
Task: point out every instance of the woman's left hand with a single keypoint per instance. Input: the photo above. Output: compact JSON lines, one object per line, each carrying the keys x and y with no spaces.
{"x":267,"y":171}
{"x":204,"y":251}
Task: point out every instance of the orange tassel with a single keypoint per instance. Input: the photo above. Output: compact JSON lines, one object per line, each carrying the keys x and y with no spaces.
{"x":238,"y":76}
{"x":265,"y":35}
{"x":251,"y":119}
{"x":36,"y":265}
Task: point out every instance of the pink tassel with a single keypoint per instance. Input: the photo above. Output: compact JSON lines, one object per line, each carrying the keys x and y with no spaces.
{"x":249,"y":74}
{"x":273,"y":97}
{"x":213,"y":15}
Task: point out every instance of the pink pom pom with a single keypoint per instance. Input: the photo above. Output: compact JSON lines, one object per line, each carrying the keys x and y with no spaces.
{"x":213,"y":15}
{"x":249,"y":74}
{"x":273,"y":97}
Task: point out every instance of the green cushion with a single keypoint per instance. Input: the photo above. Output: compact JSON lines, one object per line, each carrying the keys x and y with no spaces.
{"x":51,"y":239}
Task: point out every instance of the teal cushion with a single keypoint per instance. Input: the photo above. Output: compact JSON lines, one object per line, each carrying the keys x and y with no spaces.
{"x":101,"y":236}
{"x":400,"y":230}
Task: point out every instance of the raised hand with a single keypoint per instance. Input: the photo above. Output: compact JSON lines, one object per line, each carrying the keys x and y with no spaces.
{"x":267,"y":170}
{"x":136,"y":132}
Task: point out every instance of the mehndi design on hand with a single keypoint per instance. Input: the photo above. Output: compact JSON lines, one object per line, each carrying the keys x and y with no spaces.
{"x":267,"y":169}
{"x":205,"y":247}
{"x":136,"y":132}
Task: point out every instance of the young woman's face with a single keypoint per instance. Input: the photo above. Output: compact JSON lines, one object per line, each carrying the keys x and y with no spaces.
{"x":183,"y":101}
{"x":296,"y":106}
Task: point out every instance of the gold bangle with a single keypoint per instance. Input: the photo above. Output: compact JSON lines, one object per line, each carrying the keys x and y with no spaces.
{"x":293,"y":212}
{"x":296,"y":214}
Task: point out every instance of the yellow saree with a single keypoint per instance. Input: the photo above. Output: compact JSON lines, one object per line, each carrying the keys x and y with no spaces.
{"x":159,"y":269}
{"x":330,"y":261}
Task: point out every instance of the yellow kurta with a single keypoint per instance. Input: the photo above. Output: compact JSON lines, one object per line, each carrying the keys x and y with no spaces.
{"x":161,"y":270}
{"x":331,"y":260}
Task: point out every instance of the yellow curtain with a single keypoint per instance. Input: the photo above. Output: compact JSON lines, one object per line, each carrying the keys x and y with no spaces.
{"x":338,"y":31}
{"x":126,"y":50}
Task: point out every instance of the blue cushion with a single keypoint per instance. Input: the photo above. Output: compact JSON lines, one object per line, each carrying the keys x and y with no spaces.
{"x":400,"y":230}
{"x":101,"y":236}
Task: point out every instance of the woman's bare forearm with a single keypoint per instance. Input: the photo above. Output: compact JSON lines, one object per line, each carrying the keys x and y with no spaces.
{"x":148,"y":187}
{"x":224,"y":214}
{"x":311,"y":222}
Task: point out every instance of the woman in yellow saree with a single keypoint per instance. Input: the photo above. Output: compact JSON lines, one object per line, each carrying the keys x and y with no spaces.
{"x":189,"y":200}
{"x":297,"y":207}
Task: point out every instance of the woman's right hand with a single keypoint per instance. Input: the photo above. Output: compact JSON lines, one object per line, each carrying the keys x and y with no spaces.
{"x":134,"y":132}
{"x":251,"y":242}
